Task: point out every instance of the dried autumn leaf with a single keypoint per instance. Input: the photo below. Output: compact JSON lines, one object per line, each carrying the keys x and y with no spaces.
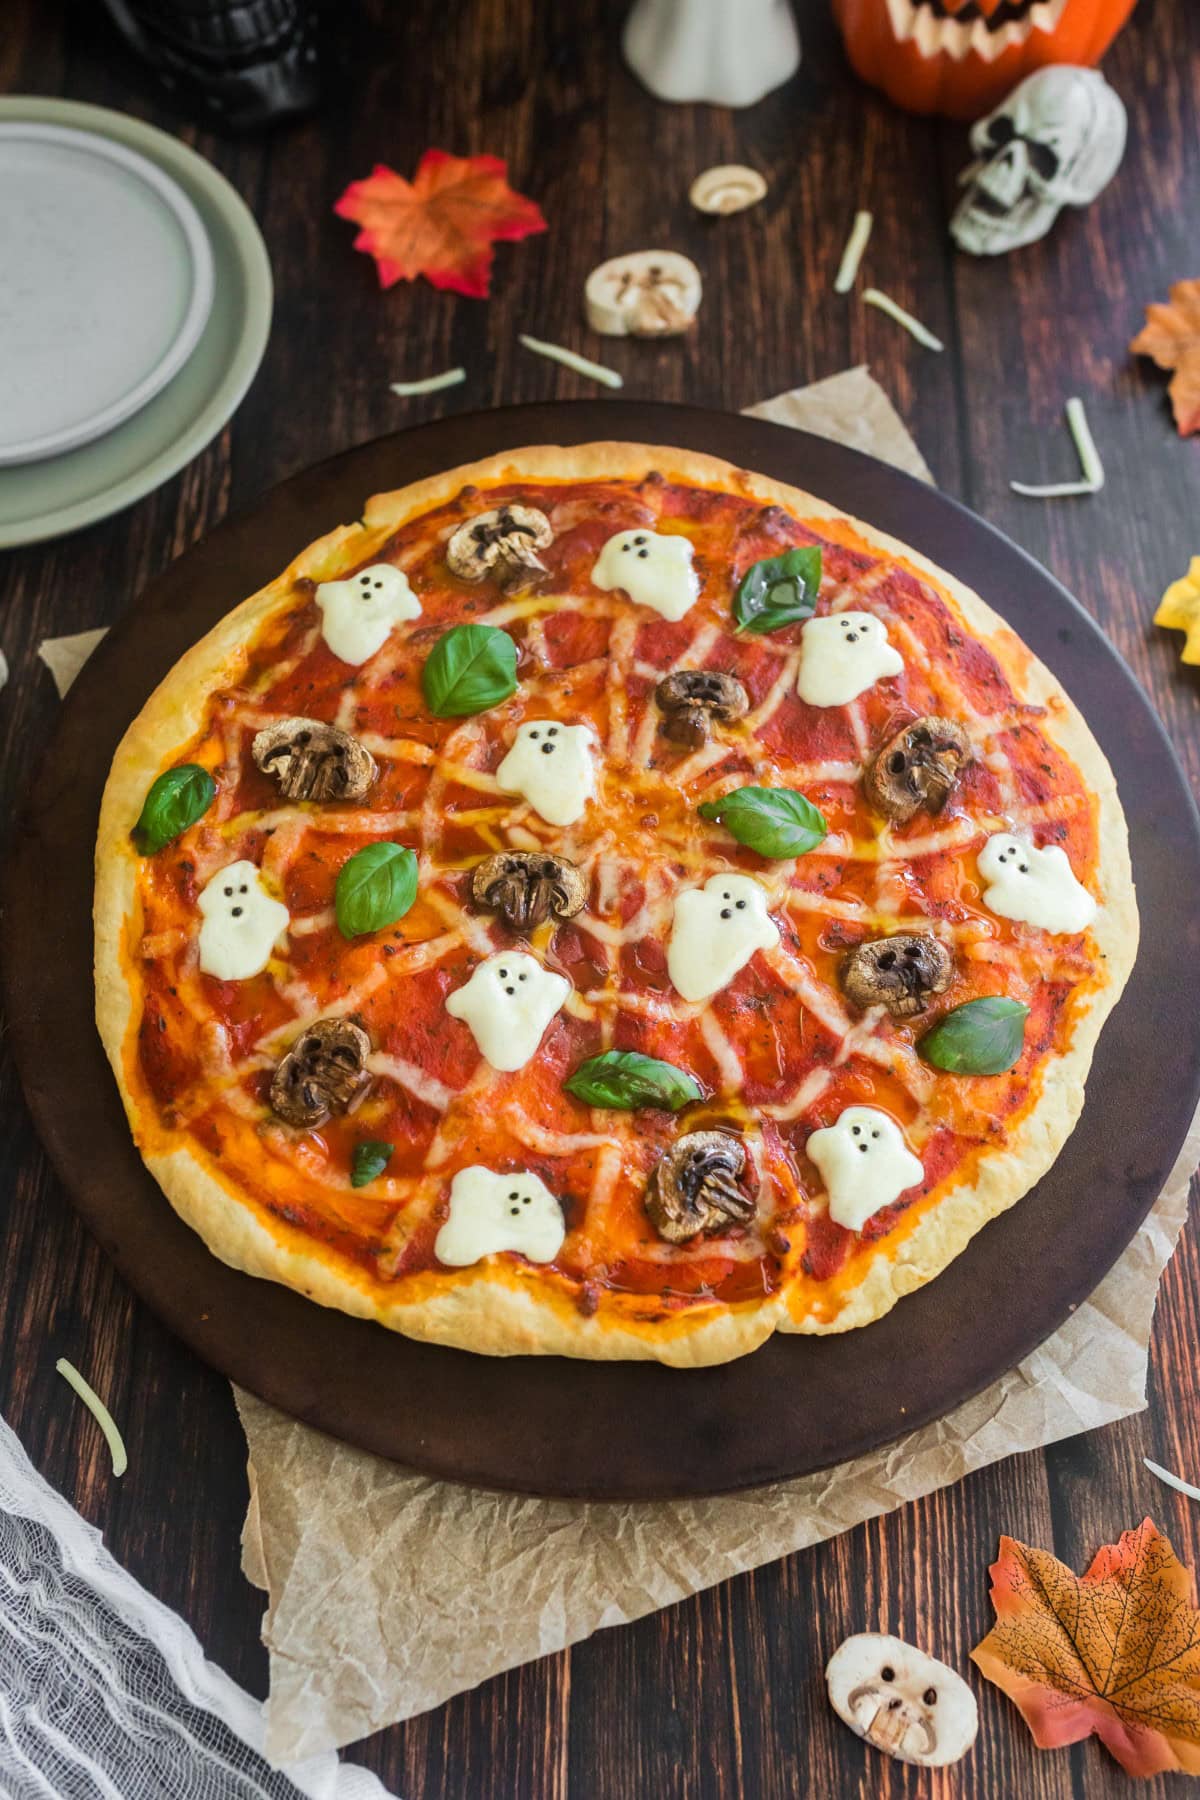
{"x":1114,"y":1653}
{"x":1171,"y":335}
{"x":441,"y":224}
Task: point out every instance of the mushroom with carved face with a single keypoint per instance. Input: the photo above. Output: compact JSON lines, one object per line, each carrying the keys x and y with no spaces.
{"x":695,"y":1188}
{"x":903,"y":973}
{"x":649,"y":293}
{"x":323,"y":1073}
{"x":917,"y":768}
{"x":906,"y":1703}
{"x":528,"y":887}
{"x":504,"y":542}
{"x":691,"y":699}
{"x":313,"y":761}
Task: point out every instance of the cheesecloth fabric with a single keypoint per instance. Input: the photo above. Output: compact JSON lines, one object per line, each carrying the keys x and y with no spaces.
{"x":105,"y":1694}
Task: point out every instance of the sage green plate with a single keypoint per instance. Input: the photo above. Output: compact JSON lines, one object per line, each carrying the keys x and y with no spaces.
{"x":61,"y":493}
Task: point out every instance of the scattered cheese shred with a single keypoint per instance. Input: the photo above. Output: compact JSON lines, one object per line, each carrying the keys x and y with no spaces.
{"x":852,"y":255}
{"x":3,"y":668}
{"x":1172,"y":1481}
{"x":1089,"y":462}
{"x":98,"y":1410}
{"x":886,"y":304}
{"x":431,"y":383}
{"x":571,"y":360}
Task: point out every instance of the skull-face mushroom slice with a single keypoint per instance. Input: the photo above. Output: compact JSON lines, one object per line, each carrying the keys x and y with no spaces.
{"x":903,"y":973}
{"x":651,"y":293}
{"x":505,"y":541}
{"x":314,"y":761}
{"x":323,"y":1073}
{"x":908,"y":1704}
{"x":527,"y":887}
{"x":694,"y":1187}
{"x":691,"y":699}
{"x":916,"y":769}
{"x":728,"y":188}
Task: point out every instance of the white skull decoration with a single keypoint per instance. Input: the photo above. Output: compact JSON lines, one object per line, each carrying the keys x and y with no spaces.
{"x":1057,"y":141}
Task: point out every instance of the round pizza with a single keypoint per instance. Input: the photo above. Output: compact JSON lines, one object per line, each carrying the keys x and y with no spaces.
{"x":606,"y":903}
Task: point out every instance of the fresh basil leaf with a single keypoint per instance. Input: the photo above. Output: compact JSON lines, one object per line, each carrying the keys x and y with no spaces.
{"x":370,"y":1158}
{"x":176,"y":800}
{"x":981,"y":1037}
{"x":469,"y":669}
{"x":777,"y":822}
{"x":375,"y":887}
{"x":626,"y":1079}
{"x":780,"y":590}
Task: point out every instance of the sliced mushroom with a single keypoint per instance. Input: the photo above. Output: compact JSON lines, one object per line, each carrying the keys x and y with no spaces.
{"x":692,"y":698}
{"x":528,"y":887}
{"x":314,"y":761}
{"x":694,"y":1187}
{"x":916,"y":769}
{"x":650,"y":293}
{"x":903,"y":973}
{"x":506,"y":540}
{"x":323,"y":1073}
{"x":729,"y":188}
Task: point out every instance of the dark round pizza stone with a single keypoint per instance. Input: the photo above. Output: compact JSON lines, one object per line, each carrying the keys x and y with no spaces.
{"x":624,"y":1430}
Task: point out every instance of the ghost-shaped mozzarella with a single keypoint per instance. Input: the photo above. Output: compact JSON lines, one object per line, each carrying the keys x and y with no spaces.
{"x":490,"y":1212}
{"x":906,"y":1703}
{"x":1036,"y":886}
{"x":359,"y":613}
{"x":841,"y":656}
{"x":508,"y":1003}
{"x":864,"y":1163}
{"x":241,"y":923}
{"x":551,"y":766}
{"x":715,"y":931}
{"x":654,"y":569}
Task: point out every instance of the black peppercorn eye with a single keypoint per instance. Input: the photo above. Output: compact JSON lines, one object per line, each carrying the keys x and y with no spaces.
{"x":930,"y":1696}
{"x":887,"y":1673}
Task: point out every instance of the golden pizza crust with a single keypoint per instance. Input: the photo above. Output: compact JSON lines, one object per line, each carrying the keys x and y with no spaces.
{"x":503,"y":1307}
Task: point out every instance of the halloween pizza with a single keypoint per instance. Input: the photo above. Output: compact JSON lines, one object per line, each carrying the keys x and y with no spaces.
{"x":606,"y":903}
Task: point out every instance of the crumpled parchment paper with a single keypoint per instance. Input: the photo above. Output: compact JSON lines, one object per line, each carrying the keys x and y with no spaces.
{"x":388,"y":1592}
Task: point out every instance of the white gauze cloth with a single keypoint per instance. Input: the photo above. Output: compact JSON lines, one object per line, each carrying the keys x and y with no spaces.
{"x":105,"y":1694}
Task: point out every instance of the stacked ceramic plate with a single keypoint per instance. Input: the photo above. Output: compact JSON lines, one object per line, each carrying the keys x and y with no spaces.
{"x":135,"y":300}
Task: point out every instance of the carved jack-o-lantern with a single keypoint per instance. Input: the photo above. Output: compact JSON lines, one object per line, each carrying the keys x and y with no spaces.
{"x":960,"y":57}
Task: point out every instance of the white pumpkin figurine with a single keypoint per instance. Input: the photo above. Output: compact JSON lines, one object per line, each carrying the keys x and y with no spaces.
{"x":727,"y":52}
{"x":1056,"y":141}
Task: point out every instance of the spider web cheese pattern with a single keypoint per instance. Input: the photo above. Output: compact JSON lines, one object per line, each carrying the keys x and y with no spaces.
{"x":778,"y":1051}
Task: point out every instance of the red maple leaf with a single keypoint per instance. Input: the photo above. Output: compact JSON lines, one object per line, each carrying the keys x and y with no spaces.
{"x":441,"y":224}
{"x":1115,"y":1652}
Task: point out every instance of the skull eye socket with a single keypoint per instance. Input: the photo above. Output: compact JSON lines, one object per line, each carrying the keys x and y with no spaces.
{"x":930,"y":1696}
{"x":1001,"y":131}
{"x":887,"y":1673}
{"x":1044,"y":159}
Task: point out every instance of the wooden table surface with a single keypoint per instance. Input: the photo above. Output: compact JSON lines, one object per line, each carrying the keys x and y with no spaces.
{"x":720,"y":1696}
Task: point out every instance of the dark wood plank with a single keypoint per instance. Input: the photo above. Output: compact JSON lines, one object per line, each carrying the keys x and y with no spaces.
{"x":721,"y":1696}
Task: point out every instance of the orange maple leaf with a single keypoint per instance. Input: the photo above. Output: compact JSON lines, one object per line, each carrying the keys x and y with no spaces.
{"x":1171,"y":335}
{"x":1115,"y":1652}
{"x":441,"y":224}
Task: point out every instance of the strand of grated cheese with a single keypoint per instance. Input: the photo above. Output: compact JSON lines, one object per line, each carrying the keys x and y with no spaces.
{"x":99,"y":1412}
{"x":893,"y":309}
{"x":1089,"y":462}
{"x":431,"y":384}
{"x":852,"y":255}
{"x":572,"y":360}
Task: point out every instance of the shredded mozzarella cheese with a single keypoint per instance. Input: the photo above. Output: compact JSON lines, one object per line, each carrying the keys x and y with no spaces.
{"x":99,"y":1412}
{"x":430,"y":385}
{"x":885,"y":303}
{"x":572,"y":360}
{"x":852,"y":255}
